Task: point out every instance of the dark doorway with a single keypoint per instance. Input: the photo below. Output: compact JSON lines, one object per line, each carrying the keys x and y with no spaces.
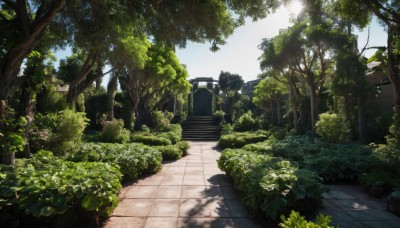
{"x":202,"y":102}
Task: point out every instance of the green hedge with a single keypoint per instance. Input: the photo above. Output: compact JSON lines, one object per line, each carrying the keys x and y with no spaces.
{"x":174,"y":152}
{"x":271,"y":186}
{"x":132,"y":159}
{"x":240,"y":139}
{"x":150,"y":139}
{"x":48,"y":187}
{"x":332,"y":162}
{"x":173,"y":136}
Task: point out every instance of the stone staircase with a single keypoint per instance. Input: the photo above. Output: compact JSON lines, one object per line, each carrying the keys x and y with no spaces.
{"x":201,"y":128}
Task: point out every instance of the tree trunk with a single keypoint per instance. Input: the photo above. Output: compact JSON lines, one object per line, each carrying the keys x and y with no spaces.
{"x":111,"y":88}
{"x":11,"y":64}
{"x":79,"y":84}
{"x":278,"y":112}
{"x":393,"y":76}
{"x":314,"y":109}
{"x":362,"y":130}
{"x":294,"y":110}
{"x":9,"y":158}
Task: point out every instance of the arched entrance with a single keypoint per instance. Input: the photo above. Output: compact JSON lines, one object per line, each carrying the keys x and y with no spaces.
{"x":203,"y":96}
{"x":202,"y":102}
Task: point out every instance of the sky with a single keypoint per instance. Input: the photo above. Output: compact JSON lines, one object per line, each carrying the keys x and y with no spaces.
{"x":240,"y":53}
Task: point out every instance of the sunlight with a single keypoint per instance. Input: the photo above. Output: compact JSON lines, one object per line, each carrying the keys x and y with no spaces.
{"x":295,"y":7}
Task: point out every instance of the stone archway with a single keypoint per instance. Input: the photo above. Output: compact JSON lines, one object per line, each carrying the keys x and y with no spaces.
{"x":203,"y":98}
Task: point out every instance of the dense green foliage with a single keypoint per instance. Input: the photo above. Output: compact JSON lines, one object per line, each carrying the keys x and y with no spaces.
{"x":245,"y":123}
{"x":114,"y":131}
{"x":70,"y":127}
{"x":298,"y":221}
{"x":132,"y":159}
{"x":159,"y":138}
{"x":46,"y":186}
{"x":271,"y":186}
{"x":332,"y":128}
{"x":332,"y":162}
{"x":239,"y":139}
{"x":150,"y":139}
{"x":175,"y":151}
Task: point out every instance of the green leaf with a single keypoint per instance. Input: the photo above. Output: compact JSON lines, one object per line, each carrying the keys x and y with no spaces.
{"x":46,"y":211}
{"x":90,"y":203}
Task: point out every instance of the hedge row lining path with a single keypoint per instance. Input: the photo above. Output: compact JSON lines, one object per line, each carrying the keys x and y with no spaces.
{"x":189,"y":192}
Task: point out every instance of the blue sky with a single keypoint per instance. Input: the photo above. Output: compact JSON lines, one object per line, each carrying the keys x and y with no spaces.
{"x":240,"y":54}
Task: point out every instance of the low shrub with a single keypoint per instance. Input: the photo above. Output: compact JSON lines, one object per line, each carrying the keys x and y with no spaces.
{"x":298,"y":221}
{"x":184,"y":147}
{"x":114,"y":132}
{"x":132,"y":159}
{"x":174,"y":134}
{"x":332,"y":128}
{"x":380,"y":178}
{"x":170,"y":152}
{"x":245,"y":123}
{"x":270,"y":186}
{"x":240,"y":139}
{"x":150,"y":139}
{"x":57,"y":190}
{"x":160,"y":121}
{"x":174,"y":152}
{"x":344,"y":162}
{"x":70,"y":127}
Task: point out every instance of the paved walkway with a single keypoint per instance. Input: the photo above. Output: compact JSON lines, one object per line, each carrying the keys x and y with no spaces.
{"x":193,"y":192}
{"x":352,"y":208}
{"x":190,"y":192}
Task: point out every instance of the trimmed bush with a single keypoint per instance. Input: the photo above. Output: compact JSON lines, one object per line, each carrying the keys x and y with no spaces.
{"x":174,"y":152}
{"x":298,"y":221}
{"x":170,"y":152}
{"x":57,"y":190}
{"x":240,"y":139}
{"x":340,"y":162}
{"x":70,"y":127}
{"x":132,"y":159}
{"x":114,"y":132}
{"x":150,"y":139}
{"x":174,"y":134}
{"x":245,"y":123}
{"x":184,"y":147}
{"x":332,"y":128}
{"x":271,"y":186}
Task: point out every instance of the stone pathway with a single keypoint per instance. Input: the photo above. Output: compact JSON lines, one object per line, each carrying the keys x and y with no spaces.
{"x":194,"y":192}
{"x":352,"y":208}
{"x":190,"y":192}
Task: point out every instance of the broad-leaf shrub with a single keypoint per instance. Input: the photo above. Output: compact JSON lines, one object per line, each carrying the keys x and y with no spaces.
{"x":132,"y":159}
{"x":271,"y":186}
{"x":70,"y":127}
{"x":174,"y":134}
{"x":340,"y":162}
{"x":240,"y":139}
{"x":332,"y":162}
{"x":175,"y":151}
{"x":160,"y":121}
{"x":245,"y":123}
{"x":46,"y":186}
{"x":295,"y":220}
{"x":332,"y":128}
{"x":114,"y":132}
{"x":150,"y":139}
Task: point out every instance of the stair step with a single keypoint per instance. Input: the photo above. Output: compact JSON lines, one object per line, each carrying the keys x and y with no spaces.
{"x":201,"y":128}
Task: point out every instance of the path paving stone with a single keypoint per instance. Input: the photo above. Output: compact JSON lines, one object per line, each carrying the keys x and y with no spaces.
{"x":194,"y":192}
{"x":350,"y":207}
{"x":190,"y":192}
